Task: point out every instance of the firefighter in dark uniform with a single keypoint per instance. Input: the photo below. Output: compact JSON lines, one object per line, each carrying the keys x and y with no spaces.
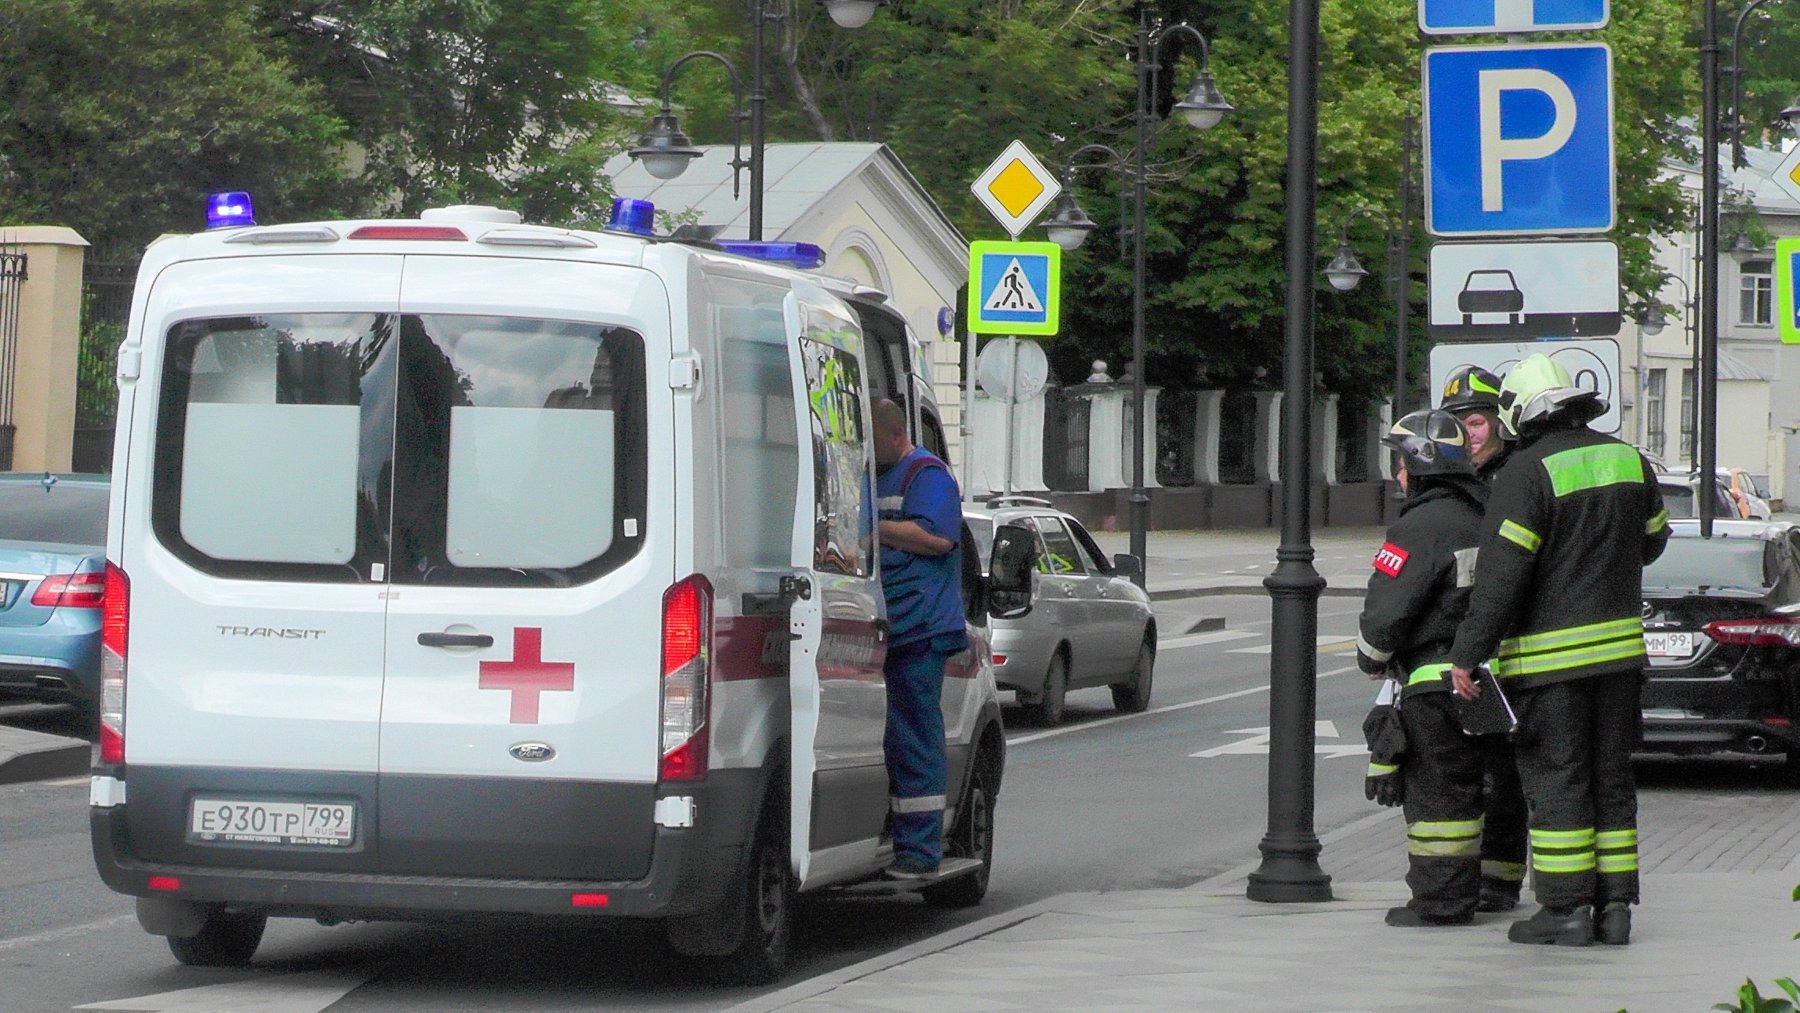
{"x":1417,"y":595}
{"x":1573,"y":518}
{"x":1472,"y":394}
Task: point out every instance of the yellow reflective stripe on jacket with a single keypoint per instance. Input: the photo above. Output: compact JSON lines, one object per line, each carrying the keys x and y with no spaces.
{"x":1520,"y":535}
{"x":1572,"y":636}
{"x":1572,"y":471}
{"x":1575,"y":657}
{"x":1657,"y":523}
{"x":1427,"y":673}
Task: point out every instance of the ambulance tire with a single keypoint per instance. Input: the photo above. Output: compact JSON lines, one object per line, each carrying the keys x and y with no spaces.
{"x":224,"y":940}
{"x":1046,"y":709}
{"x":766,"y":895}
{"x":1133,"y":695}
{"x":971,"y":837}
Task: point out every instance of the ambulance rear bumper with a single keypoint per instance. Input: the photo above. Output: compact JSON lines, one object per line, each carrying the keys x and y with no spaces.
{"x":689,"y":871}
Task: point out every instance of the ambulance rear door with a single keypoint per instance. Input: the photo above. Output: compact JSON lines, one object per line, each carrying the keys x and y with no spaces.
{"x":837,"y":621}
{"x":532,"y":540}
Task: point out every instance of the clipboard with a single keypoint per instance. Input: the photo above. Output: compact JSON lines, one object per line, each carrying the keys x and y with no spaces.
{"x":1488,"y":714}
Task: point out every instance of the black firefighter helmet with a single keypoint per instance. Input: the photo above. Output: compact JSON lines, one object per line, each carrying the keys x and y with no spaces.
{"x":1471,"y":387}
{"x":1431,"y":441}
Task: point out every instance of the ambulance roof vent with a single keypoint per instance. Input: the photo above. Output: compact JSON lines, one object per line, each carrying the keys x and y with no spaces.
{"x":471,"y":213}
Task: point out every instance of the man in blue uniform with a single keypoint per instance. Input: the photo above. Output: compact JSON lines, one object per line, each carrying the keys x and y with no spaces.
{"x":921,"y":574}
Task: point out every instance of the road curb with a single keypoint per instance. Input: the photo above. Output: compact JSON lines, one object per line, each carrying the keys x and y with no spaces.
{"x":35,"y":756}
{"x":948,"y":939}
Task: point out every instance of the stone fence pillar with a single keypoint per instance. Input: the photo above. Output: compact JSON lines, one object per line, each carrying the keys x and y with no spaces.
{"x":989,"y":463}
{"x":49,"y":340}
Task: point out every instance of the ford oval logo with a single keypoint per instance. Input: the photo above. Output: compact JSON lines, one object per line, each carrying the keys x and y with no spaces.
{"x":533,"y":752}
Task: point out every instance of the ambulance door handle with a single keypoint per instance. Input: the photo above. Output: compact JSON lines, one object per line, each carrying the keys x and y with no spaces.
{"x":455,"y":640}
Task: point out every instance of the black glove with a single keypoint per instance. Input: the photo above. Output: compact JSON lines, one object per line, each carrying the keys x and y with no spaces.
{"x":1386,"y":784}
{"x":1386,"y":737}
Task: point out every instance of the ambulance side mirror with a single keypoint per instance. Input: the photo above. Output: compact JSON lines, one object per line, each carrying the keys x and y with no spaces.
{"x":1011,"y":569}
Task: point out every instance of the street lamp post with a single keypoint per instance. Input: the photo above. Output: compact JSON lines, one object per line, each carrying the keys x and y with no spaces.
{"x":1345,"y":273}
{"x":1201,"y":107}
{"x":666,"y":151}
{"x":1290,"y":864}
{"x":1790,"y":115}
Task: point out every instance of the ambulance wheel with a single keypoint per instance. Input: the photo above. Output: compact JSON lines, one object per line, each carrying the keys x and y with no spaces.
{"x":1133,"y":695}
{"x":767,"y":896}
{"x":225,"y":940}
{"x":1046,"y":709}
{"x":972,"y":837}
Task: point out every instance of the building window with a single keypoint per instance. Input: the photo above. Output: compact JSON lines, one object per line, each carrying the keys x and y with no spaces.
{"x":1756,"y":293}
{"x":1687,"y":414}
{"x":1655,"y":389}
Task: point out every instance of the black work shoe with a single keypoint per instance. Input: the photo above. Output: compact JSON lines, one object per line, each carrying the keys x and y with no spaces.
{"x":1409,"y":918}
{"x":907,"y":868}
{"x":1563,"y":928}
{"x":1494,"y":900}
{"x":1613,"y":927}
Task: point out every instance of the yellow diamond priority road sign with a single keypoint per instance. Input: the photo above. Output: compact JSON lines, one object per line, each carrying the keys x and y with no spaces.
{"x":1787,"y":174}
{"x":1016,"y":188}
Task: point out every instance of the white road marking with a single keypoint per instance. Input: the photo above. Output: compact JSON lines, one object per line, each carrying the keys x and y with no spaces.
{"x":1258,"y":743}
{"x":306,"y":992}
{"x":1326,"y":642}
{"x":1196,"y":639}
{"x":1103,"y":722}
{"x":66,"y":932}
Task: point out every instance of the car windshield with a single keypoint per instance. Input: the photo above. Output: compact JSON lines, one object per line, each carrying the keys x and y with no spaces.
{"x":65,"y":513}
{"x":1714,"y":562}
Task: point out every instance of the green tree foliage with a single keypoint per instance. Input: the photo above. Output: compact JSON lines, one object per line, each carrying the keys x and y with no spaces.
{"x":117,"y":117}
{"x":472,"y":101}
{"x":1771,"y":72}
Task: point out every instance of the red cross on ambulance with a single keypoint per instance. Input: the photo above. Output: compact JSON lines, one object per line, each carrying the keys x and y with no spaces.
{"x":527,"y":674}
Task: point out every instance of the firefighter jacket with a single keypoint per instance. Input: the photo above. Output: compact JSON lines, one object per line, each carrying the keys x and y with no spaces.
{"x":1419,"y":591}
{"x":1573,"y":518}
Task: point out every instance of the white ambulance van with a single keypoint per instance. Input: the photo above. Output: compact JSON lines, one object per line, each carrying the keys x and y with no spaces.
{"x":458,"y":566}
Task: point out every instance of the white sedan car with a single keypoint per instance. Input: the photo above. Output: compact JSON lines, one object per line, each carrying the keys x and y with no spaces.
{"x":1089,"y":624}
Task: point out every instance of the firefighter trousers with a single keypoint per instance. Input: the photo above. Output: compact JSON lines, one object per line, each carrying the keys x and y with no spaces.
{"x":1443,"y":771}
{"x":914,"y":747}
{"x":1573,"y":748}
{"x":1503,"y":837}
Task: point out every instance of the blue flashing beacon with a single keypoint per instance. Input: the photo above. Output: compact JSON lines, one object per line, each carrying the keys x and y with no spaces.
{"x":801,"y":255}
{"x":229,"y":210}
{"x":637,"y":217}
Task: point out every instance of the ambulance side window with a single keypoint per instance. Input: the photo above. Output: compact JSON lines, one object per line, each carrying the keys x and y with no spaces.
{"x":843,"y":484}
{"x":760,"y":464}
{"x":260,"y":428}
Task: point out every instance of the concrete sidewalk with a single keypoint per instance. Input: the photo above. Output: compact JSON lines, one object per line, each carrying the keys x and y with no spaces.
{"x":35,"y":756}
{"x":1719,"y":871}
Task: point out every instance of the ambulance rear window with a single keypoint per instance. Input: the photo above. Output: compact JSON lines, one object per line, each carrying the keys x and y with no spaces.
{"x":438,"y":449}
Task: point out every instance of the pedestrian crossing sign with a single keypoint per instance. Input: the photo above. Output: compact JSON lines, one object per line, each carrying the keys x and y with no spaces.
{"x":1015,"y":288}
{"x":1787,"y":288}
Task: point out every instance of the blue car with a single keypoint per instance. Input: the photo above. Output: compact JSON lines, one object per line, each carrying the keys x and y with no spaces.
{"x":52,"y":574}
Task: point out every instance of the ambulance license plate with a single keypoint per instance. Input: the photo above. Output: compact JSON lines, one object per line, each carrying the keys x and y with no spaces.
{"x":1669,"y":645}
{"x":247,"y":821}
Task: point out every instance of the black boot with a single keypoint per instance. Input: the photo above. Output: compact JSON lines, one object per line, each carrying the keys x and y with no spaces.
{"x":1613,"y":927}
{"x":1564,"y":927}
{"x":1494,"y":899}
{"x":1409,"y":918}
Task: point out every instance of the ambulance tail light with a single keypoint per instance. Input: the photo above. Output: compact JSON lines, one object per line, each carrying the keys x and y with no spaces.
{"x":1768,"y":631}
{"x":115,"y":621}
{"x":686,"y":668}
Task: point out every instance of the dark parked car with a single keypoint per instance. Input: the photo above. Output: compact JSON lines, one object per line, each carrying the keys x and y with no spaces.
{"x":52,"y":572}
{"x":1722,"y":630}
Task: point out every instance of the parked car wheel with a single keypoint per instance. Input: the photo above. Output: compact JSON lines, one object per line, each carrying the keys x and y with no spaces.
{"x":1046,"y":710}
{"x":226,"y":940}
{"x":971,"y":837}
{"x":1133,"y":695}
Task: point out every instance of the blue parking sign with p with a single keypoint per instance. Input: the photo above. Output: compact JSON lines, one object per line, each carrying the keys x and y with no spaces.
{"x":1015,"y":288}
{"x":1519,"y":139}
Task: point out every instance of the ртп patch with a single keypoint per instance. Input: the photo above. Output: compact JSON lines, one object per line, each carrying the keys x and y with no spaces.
{"x":1390,"y":559}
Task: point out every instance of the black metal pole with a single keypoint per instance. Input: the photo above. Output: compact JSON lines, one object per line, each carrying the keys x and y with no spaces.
{"x":1139,"y":501}
{"x":1708,"y":380}
{"x":1290,"y":867}
{"x":1737,"y":83}
{"x":757,"y":139}
{"x":1399,"y":275}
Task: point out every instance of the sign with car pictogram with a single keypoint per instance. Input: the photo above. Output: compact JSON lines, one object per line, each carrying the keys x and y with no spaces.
{"x":1538,"y":289}
{"x":1593,"y":365}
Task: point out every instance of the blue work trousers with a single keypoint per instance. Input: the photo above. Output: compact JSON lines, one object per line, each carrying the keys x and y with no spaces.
{"x":914,"y":746}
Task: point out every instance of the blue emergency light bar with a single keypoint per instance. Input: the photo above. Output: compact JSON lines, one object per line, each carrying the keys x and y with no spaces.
{"x":637,"y":217}
{"x":229,"y":210}
{"x":801,"y":255}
